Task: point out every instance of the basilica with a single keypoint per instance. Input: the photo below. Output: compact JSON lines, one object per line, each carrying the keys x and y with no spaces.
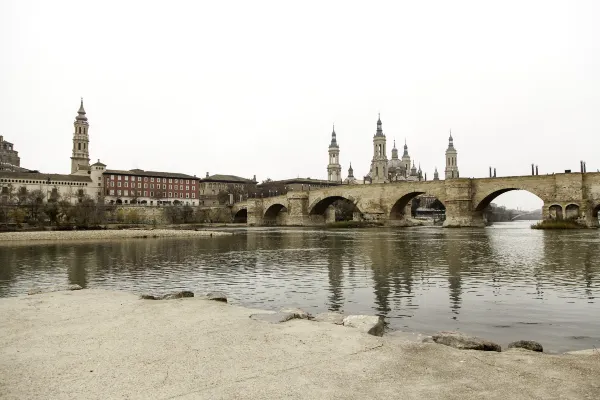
{"x":384,"y":170}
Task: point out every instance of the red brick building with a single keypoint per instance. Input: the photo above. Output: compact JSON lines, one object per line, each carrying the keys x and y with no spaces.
{"x":137,"y":186}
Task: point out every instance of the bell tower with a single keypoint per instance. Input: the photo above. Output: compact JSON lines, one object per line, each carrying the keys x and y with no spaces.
{"x":380,"y":161}
{"x":81,"y":155}
{"x":334,"y":169}
{"x":451,"y":163}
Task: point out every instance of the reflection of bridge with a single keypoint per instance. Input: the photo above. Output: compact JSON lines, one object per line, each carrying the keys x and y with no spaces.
{"x":569,"y":195}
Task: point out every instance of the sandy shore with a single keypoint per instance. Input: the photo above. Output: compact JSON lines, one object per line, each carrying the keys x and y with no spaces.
{"x":105,"y":234}
{"x":94,"y":344}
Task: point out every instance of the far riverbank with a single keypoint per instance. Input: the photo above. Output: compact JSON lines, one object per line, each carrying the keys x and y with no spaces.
{"x":106,"y":234}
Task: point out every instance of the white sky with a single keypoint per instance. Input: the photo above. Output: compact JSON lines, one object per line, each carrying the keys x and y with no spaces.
{"x":252,"y":87}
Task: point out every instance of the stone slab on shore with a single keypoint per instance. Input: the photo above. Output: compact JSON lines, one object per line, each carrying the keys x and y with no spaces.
{"x":105,"y":234}
{"x":95,"y":344}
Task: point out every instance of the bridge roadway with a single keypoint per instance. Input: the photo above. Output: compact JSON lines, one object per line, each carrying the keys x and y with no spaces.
{"x":565,"y":196}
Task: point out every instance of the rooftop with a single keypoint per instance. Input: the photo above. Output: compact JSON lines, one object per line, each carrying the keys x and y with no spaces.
{"x":45,"y":177}
{"x":227,"y":178}
{"x":141,"y":172}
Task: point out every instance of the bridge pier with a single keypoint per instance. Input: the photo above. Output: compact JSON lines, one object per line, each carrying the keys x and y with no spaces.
{"x":460,"y":210}
{"x":255,"y":212}
{"x":297,"y":213}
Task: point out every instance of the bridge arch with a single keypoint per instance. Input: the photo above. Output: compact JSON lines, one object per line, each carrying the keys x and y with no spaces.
{"x":319,"y":205}
{"x":275,"y":214}
{"x":241,"y":217}
{"x":555,"y":211}
{"x":596,"y":211}
{"x":399,"y":210}
{"x":572,"y":211}
{"x":487,"y":200}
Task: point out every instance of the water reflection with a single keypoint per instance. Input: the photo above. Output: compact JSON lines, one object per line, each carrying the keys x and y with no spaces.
{"x":502,"y":283}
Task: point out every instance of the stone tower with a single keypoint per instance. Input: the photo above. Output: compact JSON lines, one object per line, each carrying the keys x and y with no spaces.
{"x":406,"y":158}
{"x":380,"y":161}
{"x":436,"y":176}
{"x":80,"y":160}
{"x":334,"y":169}
{"x":451,"y":162}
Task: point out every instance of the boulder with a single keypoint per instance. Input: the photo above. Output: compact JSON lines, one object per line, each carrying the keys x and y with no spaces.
{"x":527,"y":345}
{"x":274,"y":318}
{"x":298,"y":313}
{"x":427,"y":339}
{"x":178,"y":295}
{"x":461,"y":341}
{"x":149,"y":297}
{"x":331,"y":317}
{"x":217,"y":296}
{"x":366,"y":323}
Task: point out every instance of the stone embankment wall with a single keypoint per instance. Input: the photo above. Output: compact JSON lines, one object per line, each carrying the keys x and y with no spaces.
{"x":129,"y":214}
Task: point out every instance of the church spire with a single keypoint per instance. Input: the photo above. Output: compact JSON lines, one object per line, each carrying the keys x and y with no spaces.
{"x":81,"y":112}
{"x":379,"y":128}
{"x":394,"y":151}
{"x":333,"y":139}
{"x":350,"y":172}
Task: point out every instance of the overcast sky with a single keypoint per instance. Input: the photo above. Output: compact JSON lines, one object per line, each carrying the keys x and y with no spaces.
{"x":253,"y":87}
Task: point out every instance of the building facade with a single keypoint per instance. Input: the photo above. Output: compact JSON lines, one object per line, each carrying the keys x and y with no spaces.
{"x":9,"y":157}
{"x":236,"y":188}
{"x":153,"y":188}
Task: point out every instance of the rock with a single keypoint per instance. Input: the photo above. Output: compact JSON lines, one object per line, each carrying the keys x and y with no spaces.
{"x":178,"y":295}
{"x":170,"y":296}
{"x":427,"y":339}
{"x":217,"y":296}
{"x":464,"y":342}
{"x":526,"y":344}
{"x":37,"y":290}
{"x":331,"y":317}
{"x":274,"y":318}
{"x":298,"y":313}
{"x":366,"y":323}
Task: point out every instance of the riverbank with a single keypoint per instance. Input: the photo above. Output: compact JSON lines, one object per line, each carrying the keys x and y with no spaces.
{"x":102,"y":344}
{"x":105,"y":234}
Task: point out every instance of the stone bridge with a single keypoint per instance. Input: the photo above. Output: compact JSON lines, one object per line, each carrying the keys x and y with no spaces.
{"x":565,"y":196}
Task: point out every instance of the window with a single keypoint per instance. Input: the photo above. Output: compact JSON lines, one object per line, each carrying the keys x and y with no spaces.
{"x":170,"y":186}
{"x":187,"y":181}
{"x":145,"y":193}
{"x":139,"y":185}
{"x":126,"y":184}
{"x":118,"y":192}
{"x":112,"y":184}
{"x":170,"y":180}
{"x":176,"y":180}
{"x":151,"y":194}
{"x":164,"y":180}
{"x":112,"y":177}
{"x":151,"y":179}
{"x":126,"y":192}
{"x":164,"y":186}
{"x":126,"y":178}
{"x":119,"y":177}
{"x":176,"y":187}
{"x":193,"y":195}
{"x":119,"y":184}
{"x":112,"y":192}
{"x":187,"y":188}
{"x":152,"y":185}
{"x":170,"y":194}
{"x":187,"y":195}
{"x":145,"y":186}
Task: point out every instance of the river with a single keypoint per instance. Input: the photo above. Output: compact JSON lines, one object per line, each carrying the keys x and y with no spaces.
{"x":505,"y":282}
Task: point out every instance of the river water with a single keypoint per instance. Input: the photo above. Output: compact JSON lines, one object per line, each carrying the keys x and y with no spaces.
{"x":505,"y":282}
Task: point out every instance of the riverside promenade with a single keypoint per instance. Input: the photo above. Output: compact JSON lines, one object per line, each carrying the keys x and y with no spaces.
{"x":96,"y":344}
